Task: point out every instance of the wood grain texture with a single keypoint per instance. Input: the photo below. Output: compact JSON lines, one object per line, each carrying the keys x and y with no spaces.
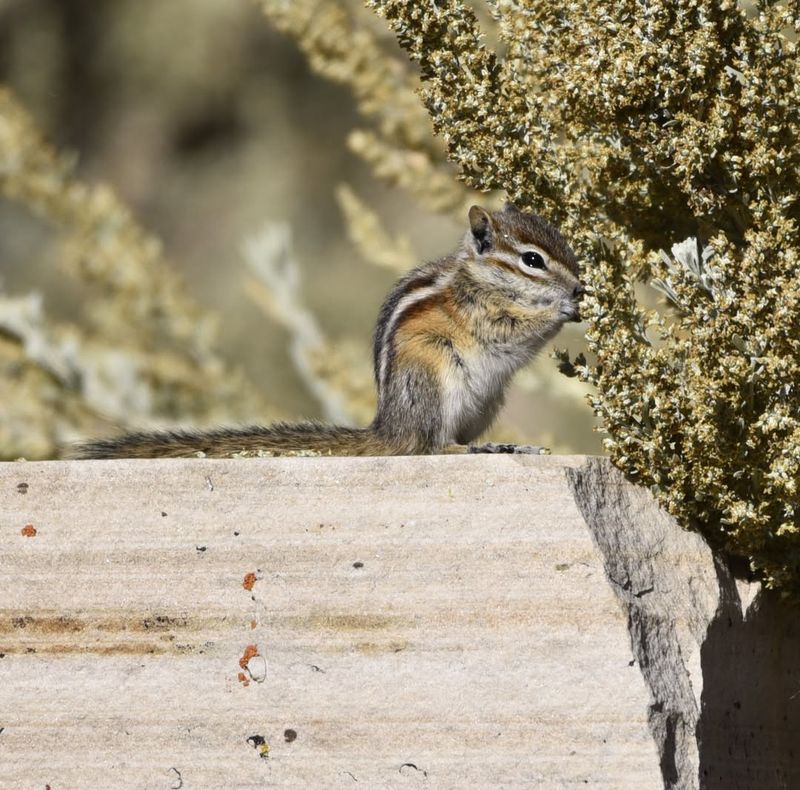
{"x":435,"y":621}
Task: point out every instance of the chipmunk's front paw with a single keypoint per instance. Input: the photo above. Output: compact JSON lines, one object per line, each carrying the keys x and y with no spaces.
{"x":516,"y":449}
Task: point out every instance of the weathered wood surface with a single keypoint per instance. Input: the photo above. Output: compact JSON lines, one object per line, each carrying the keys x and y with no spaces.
{"x":440,"y":622}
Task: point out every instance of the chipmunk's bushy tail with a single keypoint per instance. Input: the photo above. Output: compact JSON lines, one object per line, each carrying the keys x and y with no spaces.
{"x":304,"y":438}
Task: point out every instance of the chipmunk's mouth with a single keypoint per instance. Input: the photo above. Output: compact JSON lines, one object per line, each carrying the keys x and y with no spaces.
{"x":571,"y":315}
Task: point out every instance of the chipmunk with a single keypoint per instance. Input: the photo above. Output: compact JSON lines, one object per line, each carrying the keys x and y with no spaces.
{"x":449,"y":337}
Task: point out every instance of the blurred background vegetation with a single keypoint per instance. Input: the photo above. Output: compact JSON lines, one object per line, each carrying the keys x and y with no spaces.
{"x":200,"y":123}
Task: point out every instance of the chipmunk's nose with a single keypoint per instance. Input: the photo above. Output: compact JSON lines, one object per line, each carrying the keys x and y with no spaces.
{"x":578,"y":291}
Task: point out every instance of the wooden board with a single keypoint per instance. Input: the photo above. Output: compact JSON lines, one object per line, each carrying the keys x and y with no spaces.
{"x":441,"y":622}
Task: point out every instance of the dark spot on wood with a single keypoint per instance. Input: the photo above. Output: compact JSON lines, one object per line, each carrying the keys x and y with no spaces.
{"x":163,"y":514}
{"x":162,"y":622}
{"x":259,"y":743}
{"x":200,"y":548}
{"x":413,"y":767}
{"x":289,"y":735}
{"x":358,"y":564}
{"x":22,"y":488}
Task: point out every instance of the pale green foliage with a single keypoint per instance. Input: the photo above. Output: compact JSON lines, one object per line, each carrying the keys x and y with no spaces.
{"x":640,"y":126}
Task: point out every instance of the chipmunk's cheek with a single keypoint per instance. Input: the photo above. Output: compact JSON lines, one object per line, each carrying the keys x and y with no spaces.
{"x":543,"y":303}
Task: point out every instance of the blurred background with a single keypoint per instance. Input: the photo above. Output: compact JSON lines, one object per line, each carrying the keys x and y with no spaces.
{"x":208,"y":124}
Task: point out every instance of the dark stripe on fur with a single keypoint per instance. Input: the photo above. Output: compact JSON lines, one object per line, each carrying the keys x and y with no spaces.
{"x":421,"y":277}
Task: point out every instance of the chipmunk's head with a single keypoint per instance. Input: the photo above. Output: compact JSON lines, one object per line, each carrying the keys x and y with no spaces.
{"x":527,"y":259}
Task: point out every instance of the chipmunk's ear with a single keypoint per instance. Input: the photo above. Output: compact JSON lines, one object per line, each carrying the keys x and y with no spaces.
{"x":511,"y":208}
{"x":480,"y":224}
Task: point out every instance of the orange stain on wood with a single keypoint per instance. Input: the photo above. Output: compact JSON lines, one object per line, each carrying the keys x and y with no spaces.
{"x":249,"y":581}
{"x":249,"y":652}
{"x":28,"y":531}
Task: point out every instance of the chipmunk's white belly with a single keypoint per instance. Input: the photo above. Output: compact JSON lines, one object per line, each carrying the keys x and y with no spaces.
{"x":474,"y":392}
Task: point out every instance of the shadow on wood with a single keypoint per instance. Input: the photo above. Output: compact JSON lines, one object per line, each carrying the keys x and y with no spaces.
{"x":734,"y":720}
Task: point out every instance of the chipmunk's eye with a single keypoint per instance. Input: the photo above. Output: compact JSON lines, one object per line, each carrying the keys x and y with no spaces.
{"x":533,"y":260}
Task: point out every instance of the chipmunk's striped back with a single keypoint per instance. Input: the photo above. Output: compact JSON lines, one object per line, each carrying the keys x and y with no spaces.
{"x":412,"y":295}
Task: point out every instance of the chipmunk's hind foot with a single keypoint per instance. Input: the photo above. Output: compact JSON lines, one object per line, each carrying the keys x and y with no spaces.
{"x":514,"y":449}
